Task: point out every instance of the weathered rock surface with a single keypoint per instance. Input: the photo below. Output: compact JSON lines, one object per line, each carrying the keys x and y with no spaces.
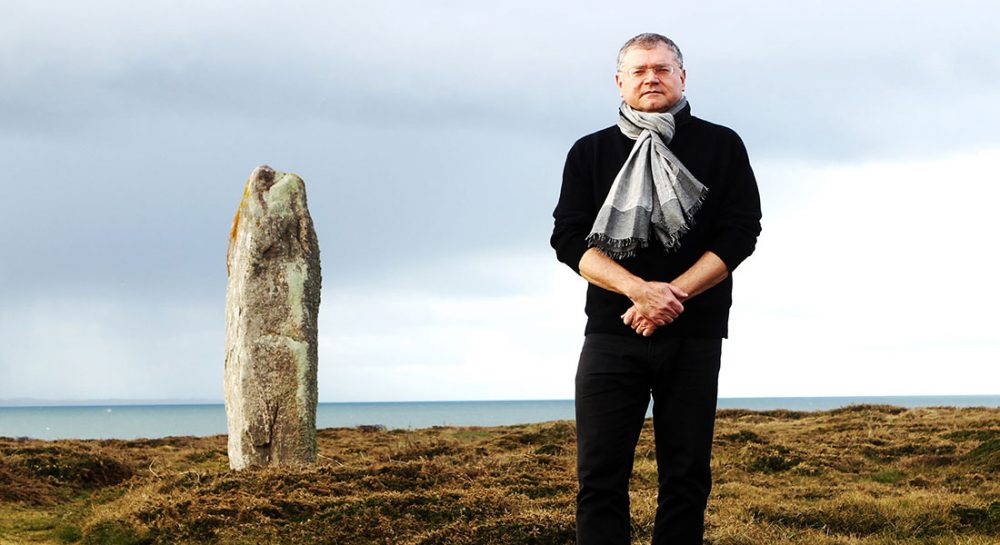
{"x":272,"y":305}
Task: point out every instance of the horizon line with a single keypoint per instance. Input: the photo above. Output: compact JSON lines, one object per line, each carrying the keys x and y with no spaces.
{"x":47,"y":402}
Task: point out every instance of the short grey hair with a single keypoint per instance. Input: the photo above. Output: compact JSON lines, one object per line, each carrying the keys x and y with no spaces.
{"x":649,"y":40}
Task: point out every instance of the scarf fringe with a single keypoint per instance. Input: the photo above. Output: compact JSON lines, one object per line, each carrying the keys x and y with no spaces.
{"x":697,"y":206}
{"x":674,"y":240}
{"x":616,"y":248}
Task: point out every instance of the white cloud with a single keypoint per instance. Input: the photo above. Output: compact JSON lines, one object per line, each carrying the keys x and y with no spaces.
{"x":400,"y":341}
{"x":876,"y":283}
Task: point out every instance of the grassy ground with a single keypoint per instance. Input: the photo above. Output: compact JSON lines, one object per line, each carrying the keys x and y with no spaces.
{"x":873,"y":475}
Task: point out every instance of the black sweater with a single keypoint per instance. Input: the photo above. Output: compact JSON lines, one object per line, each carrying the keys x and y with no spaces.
{"x":727,"y":224}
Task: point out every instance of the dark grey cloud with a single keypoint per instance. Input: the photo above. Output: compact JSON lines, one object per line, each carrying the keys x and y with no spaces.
{"x":148,"y":211}
{"x":429,"y":132}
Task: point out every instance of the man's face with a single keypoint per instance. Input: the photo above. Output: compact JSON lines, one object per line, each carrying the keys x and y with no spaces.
{"x":650,"y":80}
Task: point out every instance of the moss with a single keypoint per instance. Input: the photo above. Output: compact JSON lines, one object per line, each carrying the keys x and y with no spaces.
{"x":558,"y":432}
{"x":37,"y":523}
{"x":68,"y":533}
{"x":773,"y":460}
{"x":300,"y":353}
{"x":743,"y":436}
{"x":986,"y":455}
{"x":114,"y":532}
{"x":981,"y":519}
{"x":286,"y":189}
{"x":973,"y":435}
{"x":551,"y":449}
{"x":895,"y":451}
{"x":771,"y":463}
{"x":296,"y":276}
{"x":889,"y":476}
{"x":201,"y":456}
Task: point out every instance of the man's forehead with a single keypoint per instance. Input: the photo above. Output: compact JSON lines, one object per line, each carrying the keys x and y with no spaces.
{"x":655,"y":54}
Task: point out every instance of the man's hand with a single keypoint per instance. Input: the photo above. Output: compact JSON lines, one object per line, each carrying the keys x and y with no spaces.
{"x":659,"y":302}
{"x":638,"y":322}
{"x":656,"y":304}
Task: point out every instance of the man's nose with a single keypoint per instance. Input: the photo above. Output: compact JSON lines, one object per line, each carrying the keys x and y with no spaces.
{"x":651,"y":77}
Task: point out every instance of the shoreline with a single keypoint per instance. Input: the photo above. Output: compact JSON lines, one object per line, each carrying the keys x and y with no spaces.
{"x":203,"y":420}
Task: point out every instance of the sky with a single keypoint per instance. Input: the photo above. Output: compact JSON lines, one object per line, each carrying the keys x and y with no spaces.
{"x":431,"y":137}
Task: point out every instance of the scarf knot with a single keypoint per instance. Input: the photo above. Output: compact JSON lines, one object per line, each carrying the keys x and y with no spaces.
{"x":652,"y":191}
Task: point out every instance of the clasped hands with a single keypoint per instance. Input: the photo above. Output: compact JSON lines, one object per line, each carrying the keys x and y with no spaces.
{"x":654,"y":304}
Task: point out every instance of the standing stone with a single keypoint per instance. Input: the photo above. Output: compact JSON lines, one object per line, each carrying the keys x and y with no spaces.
{"x":272,"y":303}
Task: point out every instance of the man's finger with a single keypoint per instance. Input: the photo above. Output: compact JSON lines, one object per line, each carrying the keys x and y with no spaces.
{"x":629,"y":317}
{"x":644,"y":328}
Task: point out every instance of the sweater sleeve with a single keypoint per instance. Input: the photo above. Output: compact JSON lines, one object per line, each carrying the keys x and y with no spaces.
{"x":735,"y":234}
{"x":574,"y":213}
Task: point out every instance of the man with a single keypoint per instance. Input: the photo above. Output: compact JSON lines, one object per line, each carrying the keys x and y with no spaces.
{"x":655,"y":213}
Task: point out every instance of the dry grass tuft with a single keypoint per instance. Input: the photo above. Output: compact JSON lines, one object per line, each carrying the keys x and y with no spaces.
{"x":866,"y":474}
{"x":43,"y":473}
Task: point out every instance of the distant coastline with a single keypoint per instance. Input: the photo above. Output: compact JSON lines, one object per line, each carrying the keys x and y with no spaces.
{"x":133,"y":420}
{"x":724,"y":402}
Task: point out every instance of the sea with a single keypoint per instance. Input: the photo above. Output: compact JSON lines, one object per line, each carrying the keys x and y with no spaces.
{"x":133,"y":421}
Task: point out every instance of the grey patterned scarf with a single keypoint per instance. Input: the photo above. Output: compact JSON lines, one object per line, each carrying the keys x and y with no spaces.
{"x":653,"y":189}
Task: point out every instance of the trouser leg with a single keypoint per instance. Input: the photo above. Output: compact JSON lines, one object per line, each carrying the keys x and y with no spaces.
{"x":612,"y":394}
{"x":684,"y":402}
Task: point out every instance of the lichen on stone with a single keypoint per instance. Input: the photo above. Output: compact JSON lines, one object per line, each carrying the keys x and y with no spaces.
{"x":296,"y":276}
{"x":285,"y":190}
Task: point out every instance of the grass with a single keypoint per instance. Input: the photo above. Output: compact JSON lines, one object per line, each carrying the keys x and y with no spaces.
{"x":871,"y":475}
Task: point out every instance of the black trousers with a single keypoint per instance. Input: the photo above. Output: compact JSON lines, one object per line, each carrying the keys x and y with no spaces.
{"x":614,"y":380}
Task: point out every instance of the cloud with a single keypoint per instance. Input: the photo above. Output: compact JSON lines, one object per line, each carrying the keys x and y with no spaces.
{"x":86,"y":348}
{"x":431,"y":139}
{"x":872,"y":284}
{"x":392,"y":342}
{"x":155,"y":221}
{"x":518,"y":340}
{"x":787,"y":78}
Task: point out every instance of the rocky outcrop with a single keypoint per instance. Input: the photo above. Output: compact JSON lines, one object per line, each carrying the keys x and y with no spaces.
{"x":272,"y":305}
